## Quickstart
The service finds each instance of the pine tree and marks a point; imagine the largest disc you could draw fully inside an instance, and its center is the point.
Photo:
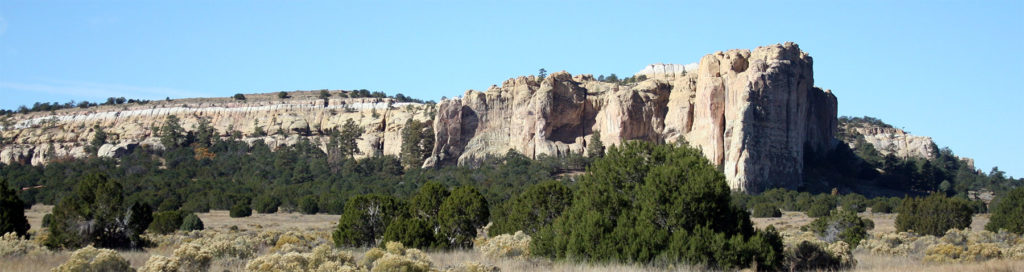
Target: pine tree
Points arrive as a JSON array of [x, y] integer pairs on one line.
[[12, 212]]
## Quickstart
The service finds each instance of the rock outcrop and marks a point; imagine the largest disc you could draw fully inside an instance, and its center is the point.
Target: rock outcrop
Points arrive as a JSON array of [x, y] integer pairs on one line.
[[752, 112], [37, 138], [890, 140]]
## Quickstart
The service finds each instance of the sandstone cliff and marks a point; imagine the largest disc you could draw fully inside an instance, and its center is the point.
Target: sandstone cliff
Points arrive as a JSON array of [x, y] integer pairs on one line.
[[752, 112], [889, 140], [36, 138]]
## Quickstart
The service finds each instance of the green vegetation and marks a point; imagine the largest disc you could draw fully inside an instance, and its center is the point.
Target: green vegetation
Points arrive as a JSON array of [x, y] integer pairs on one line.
[[842, 225], [166, 222], [417, 143], [536, 207], [1008, 213], [12, 212], [239, 96], [191, 222], [240, 210], [365, 219], [933, 215], [644, 201], [413, 232], [765, 210], [460, 215], [99, 202], [283, 95]]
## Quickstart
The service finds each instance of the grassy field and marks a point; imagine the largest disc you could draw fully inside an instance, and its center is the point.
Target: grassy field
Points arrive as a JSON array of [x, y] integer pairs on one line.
[[322, 224]]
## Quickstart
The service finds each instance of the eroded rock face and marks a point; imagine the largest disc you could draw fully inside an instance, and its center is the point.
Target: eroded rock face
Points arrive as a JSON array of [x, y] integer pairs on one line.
[[37, 138], [751, 112], [754, 113], [899, 143]]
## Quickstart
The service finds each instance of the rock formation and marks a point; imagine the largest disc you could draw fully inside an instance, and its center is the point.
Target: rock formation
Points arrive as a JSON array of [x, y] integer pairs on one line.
[[37, 138], [754, 113], [751, 112], [889, 140]]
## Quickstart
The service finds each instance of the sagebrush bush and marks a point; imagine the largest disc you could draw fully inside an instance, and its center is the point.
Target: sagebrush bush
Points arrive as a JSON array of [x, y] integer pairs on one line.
[[471, 266], [94, 259], [157, 263], [506, 246], [765, 210], [396, 257], [11, 244]]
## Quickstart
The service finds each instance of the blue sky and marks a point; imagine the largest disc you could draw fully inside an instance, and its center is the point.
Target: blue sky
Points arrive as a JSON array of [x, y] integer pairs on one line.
[[946, 69]]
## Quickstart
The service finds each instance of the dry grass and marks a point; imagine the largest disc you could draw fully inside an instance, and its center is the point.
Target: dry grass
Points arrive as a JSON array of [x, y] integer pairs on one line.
[[279, 221], [219, 220], [868, 262]]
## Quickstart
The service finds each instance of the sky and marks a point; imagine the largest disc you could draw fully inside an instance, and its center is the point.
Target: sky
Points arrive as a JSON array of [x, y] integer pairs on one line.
[[950, 70]]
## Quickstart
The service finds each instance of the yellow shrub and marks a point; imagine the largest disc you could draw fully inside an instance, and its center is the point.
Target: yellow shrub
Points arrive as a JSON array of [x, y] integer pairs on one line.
[[12, 245], [471, 266], [511, 246], [943, 253], [323, 258], [157, 263], [93, 259]]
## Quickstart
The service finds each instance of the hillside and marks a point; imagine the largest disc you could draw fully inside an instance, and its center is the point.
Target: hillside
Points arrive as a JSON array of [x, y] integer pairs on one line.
[[753, 112]]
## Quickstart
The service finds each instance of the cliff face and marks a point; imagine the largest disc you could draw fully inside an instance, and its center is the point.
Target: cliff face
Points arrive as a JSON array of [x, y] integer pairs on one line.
[[889, 140], [37, 138], [752, 112]]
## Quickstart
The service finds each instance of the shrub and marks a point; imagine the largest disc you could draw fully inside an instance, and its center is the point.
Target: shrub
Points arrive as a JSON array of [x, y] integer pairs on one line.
[[157, 263], [807, 256], [881, 207], [240, 210], [461, 215], [309, 205], [396, 258], [323, 258], [414, 232], [166, 222], [1007, 213], [643, 201], [12, 212], [427, 201], [765, 210], [933, 215], [365, 219], [193, 257], [842, 225], [536, 207], [854, 202], [93, 259], [11, 244], [820, 206], [283, 95], [239, 96], [192, 222], [506, 246], [96, 201], [266, 204]]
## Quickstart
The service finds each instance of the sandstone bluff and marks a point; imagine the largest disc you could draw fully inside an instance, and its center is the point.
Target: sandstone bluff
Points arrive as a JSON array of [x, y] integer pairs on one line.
[[753, 112]]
